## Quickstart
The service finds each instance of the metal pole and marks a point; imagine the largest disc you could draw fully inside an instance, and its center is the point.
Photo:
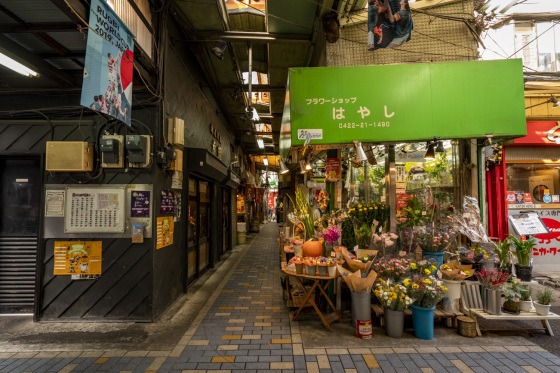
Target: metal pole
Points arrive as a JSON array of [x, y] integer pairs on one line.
[[366, 181], [250, 57], [391, 187]]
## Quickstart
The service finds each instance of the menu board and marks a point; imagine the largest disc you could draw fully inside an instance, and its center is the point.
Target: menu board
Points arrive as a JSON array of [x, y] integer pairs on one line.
[[94, 210], [528, 224], [167, 201]]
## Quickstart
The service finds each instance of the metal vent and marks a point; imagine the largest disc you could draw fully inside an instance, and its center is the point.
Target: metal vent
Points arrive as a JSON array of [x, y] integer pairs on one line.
[[17, 273], [532, 154]]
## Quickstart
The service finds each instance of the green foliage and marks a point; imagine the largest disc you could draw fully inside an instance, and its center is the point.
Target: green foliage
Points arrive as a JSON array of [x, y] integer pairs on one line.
[[502, 249], [303, 212], [525, 292], [438, 166], [366, 213], [523, 250], [511, 290], [545, 297], [413, 211], [348, 239]]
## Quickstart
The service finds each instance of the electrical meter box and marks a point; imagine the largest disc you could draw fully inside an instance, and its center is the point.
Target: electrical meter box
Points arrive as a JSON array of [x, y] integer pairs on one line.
[[138, 150], [177, 162], [112, 151], [176, 131], [69, 156]]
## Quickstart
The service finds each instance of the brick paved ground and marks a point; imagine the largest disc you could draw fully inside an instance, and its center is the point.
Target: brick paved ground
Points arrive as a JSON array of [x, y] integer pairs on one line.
[[246, 327]]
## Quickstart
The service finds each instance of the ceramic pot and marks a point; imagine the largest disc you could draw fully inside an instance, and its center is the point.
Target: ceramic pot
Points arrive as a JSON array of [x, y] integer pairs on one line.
[[394, 323], [423, 321], [332, 271], [542, 309], [453, 289], [525, 305]]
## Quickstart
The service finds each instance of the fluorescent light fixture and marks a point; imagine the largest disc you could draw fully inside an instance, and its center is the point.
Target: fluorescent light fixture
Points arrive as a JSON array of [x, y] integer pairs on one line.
[[260, 143], [16, 66], [265, 161]]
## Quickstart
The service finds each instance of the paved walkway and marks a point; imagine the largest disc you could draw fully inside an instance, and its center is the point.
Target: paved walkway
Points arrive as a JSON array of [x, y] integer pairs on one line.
[[246, 327]]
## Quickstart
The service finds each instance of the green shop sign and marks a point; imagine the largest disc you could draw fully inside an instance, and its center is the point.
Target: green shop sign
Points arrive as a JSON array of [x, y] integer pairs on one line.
[[396, 103]]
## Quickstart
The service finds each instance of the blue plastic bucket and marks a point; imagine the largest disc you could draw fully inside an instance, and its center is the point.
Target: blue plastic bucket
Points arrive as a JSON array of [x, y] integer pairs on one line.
[[423, 321], [438, 257]]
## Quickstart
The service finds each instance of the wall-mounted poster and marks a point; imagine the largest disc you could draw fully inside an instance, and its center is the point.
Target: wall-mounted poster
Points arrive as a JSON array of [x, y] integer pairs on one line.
[[177, 204], [140, 203], [259, 195], [77, 257], [54, 202], [333, 169], [107, 84], [389, 23], [164, 231], [167, 201], [95, 210]]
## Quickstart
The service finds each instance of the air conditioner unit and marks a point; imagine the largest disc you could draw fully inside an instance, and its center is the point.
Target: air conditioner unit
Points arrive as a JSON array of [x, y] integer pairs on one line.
[[69, 156]]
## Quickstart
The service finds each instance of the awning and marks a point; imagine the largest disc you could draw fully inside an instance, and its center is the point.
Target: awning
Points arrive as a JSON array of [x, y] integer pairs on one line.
[[206, 164], [232, 180], [403, 103]]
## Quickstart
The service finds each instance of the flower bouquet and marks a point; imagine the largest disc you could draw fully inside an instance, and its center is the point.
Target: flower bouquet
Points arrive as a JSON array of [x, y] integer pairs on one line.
[[436, 240], [394, 269], [384, 241], [492, 282], [392, 297], [331, 266], [425, 291], [363, 234], [322, 265], [331, 235], [423, 268], [361, 261], [474, 254], [323, 200]]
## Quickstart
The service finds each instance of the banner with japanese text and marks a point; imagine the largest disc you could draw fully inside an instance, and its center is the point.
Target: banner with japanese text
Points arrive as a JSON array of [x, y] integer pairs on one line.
[[403, 103], [107, 84]]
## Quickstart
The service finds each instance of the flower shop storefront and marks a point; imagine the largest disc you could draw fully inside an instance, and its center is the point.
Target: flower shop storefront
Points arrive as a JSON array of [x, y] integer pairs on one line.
[[406, 244]]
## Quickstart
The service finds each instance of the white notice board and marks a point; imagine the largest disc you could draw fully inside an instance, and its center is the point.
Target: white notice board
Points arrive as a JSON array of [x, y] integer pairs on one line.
[[95, 210], [528, 224]]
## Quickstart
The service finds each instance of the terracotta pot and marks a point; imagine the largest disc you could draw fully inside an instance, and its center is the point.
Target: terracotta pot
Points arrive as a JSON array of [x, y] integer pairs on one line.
[[312, 249]]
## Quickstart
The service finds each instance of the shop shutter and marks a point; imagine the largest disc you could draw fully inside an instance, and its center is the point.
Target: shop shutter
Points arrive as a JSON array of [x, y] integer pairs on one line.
[[17, 274]]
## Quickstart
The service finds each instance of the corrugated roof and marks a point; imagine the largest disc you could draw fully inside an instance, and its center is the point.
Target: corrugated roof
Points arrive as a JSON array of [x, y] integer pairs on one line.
[[64, 64], [32, 11], [73, 41], [30, 42]]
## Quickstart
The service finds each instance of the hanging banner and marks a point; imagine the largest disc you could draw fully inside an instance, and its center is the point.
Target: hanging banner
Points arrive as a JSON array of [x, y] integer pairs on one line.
[[260, 195], [77, 257], [249, 191], [389, 23], [107, 84], [333, 169]]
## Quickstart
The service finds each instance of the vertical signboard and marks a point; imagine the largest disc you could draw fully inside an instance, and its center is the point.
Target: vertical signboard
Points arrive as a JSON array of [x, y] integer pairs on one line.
[[107, 84], [333, 169]]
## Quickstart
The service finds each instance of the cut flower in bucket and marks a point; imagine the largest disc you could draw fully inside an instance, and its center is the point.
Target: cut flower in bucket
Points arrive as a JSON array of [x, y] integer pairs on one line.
[[392, 297], [393, 268], [454, 271], [425, 291]]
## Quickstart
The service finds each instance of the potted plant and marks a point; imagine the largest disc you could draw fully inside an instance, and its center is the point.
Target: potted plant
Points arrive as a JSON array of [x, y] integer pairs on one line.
[[492, 282], [452, 274], [502, 248], [474, 255], [544, 301], [523, 251], [525, 301], [434, 242], [394, 269], [511, 293], [426, 292], [394, 300], [331, 235]]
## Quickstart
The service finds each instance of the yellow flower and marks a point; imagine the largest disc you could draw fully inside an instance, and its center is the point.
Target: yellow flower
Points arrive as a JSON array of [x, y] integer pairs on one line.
[[433, 268], [360, 206], [443, 288], [427, 271], [361, 210], [467, 273], [415, 286], [413, 265], [406, 282], [426, 281]]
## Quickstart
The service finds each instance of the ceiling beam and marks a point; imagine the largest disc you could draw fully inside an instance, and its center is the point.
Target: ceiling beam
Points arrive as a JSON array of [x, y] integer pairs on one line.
[[245, 36], [141, 16], [70, 54], [14, 50], [37, 27], [257, 88], [77, 6]]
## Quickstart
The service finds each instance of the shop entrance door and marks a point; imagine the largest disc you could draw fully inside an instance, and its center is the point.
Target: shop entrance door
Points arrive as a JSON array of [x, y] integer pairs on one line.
[[198, 229], [20, 201], [226, 220]]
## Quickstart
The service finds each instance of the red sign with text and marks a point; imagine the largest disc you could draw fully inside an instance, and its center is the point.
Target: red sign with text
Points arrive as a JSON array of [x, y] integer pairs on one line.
[[540, 133], [260, 195], [546, 254], [333, 169]]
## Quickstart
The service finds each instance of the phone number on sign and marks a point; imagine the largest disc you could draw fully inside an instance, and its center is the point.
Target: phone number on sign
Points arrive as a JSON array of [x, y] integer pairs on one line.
[[363, 125]]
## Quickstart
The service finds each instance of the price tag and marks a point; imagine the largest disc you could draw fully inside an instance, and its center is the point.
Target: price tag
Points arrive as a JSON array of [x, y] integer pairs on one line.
[[333, 254], [424, 213], [356, 247]]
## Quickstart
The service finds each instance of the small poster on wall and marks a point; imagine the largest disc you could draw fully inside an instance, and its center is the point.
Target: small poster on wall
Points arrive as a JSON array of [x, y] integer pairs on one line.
[[333, 169], [54, 202], [77, 257], [140, 203], [389, 23], [164, 231], [167, 201], [177, 205]]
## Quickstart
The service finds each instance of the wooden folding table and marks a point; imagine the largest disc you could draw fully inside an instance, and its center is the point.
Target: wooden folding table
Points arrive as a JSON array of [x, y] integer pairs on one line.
[[326, 319]]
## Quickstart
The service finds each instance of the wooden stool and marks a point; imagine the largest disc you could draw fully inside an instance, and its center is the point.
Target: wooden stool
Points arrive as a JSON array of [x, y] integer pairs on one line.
[[466, 326]]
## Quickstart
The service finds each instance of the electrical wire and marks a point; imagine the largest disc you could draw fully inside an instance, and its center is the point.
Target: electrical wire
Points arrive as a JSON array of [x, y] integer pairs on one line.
[[538, 36]]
